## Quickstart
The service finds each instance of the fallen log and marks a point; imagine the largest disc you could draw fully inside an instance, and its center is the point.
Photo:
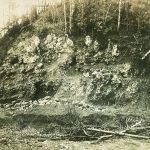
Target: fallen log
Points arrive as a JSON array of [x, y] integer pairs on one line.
[[100, 130], [102, 138], [140, 128], [146, 55], [134, 136], [119, 133], [137, 129], [136, 124]]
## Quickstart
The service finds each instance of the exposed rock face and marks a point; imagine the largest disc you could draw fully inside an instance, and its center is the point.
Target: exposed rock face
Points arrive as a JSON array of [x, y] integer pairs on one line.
[[24, 75], [104, 86], [36, 69]]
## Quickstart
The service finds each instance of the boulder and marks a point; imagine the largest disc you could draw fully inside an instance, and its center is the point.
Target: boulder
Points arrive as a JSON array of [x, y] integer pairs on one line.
[[115, 51], [88, 41], [124, 69]]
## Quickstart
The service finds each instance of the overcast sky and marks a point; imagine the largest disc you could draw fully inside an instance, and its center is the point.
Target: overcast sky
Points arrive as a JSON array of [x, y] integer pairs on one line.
[[17, 8]]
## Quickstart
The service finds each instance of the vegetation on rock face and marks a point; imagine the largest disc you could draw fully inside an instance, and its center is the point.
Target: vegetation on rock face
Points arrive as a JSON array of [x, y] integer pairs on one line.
[[119, 36]]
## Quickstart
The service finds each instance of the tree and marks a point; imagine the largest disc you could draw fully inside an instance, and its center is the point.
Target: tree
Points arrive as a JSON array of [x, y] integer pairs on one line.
[[65, 15], [71, 2], [119, 15], [33, 14]]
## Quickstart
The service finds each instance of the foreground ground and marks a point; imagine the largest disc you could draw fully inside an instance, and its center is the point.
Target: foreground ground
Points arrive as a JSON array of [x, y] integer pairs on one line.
[[13, 138], [11, 141], [45, 144]]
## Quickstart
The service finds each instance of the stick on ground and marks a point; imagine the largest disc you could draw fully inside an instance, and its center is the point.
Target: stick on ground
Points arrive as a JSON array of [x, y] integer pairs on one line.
[[119, 133]]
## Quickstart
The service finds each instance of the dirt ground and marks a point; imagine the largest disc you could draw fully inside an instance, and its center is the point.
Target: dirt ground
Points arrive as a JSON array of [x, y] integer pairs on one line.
[[12, 141], [116, 144]]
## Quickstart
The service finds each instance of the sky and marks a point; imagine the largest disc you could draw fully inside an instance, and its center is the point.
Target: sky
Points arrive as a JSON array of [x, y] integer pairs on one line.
[[10, 8]]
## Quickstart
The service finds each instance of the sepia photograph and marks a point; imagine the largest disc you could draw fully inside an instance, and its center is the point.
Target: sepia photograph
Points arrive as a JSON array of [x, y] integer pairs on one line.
[[74, 74]]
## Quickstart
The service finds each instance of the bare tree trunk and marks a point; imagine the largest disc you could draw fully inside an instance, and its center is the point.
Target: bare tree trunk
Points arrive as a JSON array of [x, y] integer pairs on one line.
[[54, 13], [4, 18], [107, 13], [119, 15], [70, 18], [45, 3], [42, 5], [72, 6], [138, 23], [127, 14], [58, 15], [65, 15], [82, 5]]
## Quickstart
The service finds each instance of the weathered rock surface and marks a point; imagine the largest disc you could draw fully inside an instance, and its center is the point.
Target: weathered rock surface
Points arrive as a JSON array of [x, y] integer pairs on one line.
[[37, 71]]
